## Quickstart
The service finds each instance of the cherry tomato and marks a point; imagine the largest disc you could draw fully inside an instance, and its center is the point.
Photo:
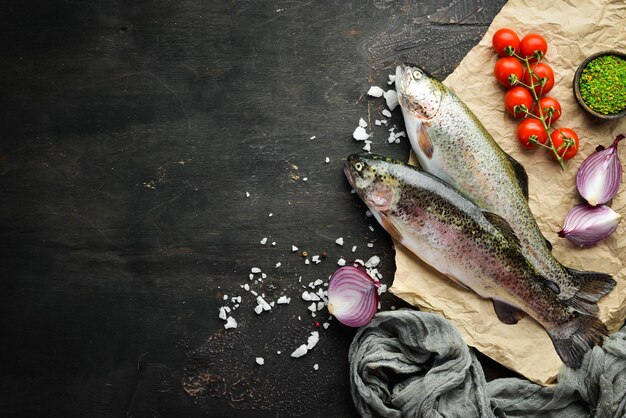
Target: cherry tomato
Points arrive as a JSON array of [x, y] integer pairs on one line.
[[565, 142], [542, 71], [504, 38], [531, 128], [547, 105], [518, 96], [531, 43], [507, 67]]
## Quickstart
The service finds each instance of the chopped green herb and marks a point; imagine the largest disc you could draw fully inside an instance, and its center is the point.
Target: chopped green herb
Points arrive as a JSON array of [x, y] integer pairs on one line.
[[603, 84]]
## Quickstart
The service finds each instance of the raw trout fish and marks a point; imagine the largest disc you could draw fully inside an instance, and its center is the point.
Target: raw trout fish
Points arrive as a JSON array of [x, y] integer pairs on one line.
[[475, 248], [452, 144]]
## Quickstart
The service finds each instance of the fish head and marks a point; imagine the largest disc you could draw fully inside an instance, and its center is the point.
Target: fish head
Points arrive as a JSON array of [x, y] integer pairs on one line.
[[418, 92], [372, 178]]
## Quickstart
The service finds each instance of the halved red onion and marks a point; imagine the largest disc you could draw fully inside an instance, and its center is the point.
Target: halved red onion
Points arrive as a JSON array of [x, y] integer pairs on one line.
[[600, 175], [587, 225], [352, 296]]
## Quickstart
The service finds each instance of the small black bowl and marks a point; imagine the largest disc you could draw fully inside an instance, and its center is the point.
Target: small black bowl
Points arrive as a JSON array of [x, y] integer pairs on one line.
[[579, 98]]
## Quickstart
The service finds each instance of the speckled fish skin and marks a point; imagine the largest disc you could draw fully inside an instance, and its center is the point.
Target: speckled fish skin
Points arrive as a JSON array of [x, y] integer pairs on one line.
[[452, 144], [453, 235]]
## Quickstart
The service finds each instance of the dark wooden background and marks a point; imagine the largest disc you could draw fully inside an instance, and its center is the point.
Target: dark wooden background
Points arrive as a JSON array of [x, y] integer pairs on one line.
[[130, 133]]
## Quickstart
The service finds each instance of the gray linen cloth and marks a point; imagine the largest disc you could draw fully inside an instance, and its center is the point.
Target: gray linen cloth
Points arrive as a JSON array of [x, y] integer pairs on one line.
[[414, 364]]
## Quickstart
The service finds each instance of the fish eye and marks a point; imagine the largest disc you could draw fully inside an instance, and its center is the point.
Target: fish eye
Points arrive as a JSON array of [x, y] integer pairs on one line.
[[417, 74], [358, 166]]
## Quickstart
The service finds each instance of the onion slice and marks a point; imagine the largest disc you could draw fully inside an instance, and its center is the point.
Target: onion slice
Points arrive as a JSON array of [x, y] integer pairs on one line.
[[587, 225], [352, 296], [599, 176]]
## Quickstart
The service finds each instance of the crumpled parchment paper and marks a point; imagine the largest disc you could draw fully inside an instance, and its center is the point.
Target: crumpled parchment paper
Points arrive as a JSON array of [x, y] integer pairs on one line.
[[574, 30]]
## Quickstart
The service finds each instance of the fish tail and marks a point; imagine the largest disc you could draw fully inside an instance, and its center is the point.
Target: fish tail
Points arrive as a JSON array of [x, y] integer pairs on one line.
[[577, 336], [593, 285]]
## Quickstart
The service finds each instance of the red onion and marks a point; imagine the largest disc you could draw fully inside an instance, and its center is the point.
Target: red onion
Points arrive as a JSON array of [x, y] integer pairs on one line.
[[352, 296], [600, 175], [587, 225]]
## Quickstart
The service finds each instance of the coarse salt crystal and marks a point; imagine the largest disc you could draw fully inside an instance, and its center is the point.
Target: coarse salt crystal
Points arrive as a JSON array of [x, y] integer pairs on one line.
[[386, 113], [375, 91], [263, 275], [316, 259], [260, 361], [313, 137], [254, 293], [339, 241], [255, 270], [263, 241], [312, 307], [341, 262], [246, 287], [325, 325], [353, 248], [278, 264], [401, 134], [391, 97], [306, 261], [283, 300], [368, 146], [318, 282], [312, 340], [300, 351], [225, 297], [320, 305], [258, 309], [230, 323], [382, 289], [316, 366], [392, 79], [370, 245], [305, 179], [360, 134], [247, 194], [222, 314], [327, 160], [373, 261], [278, 352], [251, 276], [377, 122], [263, 303], [362, 123], [270, 214], [371, 228], [294, 248], [368, 213]]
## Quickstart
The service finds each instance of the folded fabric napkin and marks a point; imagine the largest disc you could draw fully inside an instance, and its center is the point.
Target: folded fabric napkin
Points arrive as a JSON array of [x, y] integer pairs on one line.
[[409, 363]]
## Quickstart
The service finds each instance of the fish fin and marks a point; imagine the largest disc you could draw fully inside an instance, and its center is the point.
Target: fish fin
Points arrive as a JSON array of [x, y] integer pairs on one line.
[[458, 283], [593, 286], [424, 142], [574, 338], [506, 313], [520, 174], [390, 227], [552, 286], [503, 226]]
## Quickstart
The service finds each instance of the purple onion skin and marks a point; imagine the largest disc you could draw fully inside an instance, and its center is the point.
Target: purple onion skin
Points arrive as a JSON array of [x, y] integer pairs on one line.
[[354, 284], [599, 177], [587, 225]]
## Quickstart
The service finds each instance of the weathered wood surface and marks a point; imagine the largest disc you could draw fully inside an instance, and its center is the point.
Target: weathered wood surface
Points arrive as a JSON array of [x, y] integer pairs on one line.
[[130, 133]]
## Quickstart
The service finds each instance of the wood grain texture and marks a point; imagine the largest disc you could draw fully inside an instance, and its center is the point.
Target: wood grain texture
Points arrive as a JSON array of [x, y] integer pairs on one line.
[[130, 134]]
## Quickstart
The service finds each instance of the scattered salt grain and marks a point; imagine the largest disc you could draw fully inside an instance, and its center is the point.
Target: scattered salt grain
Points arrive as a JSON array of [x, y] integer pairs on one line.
[[392, 79], [254, 293], [401, 134], [371, 228], [391, 97], [225, 297], [316, 366], [370, 245], [360, 134], [375, 91], [305, 179], [377, 122], [263, 275], [373, 261], [246, 287], [312, 307], [300, 351], [339, 241], [382, 289], [325, 325], [260, 361], [255, 270], [270, 214], [263, 303], [353, 248], [294, 248], [263, 241], [362, 123], [283, 300], [312, 340], [278, 264], [313, 137], [258, 309], [230, 323], [318, 282], [368, 146], [327, 160], [386, 113], [222, 314], [368, 213], [316, 259], [251, 276], [278, 352], [341, 262], [306, 261], [320, 305], [247, 194]]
